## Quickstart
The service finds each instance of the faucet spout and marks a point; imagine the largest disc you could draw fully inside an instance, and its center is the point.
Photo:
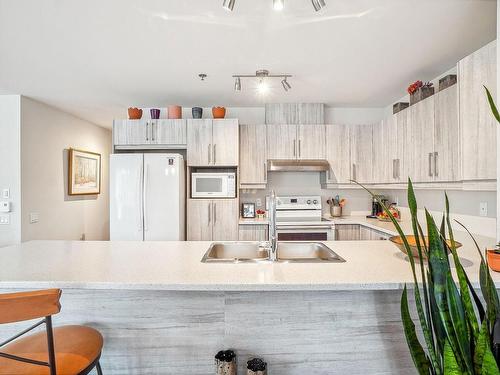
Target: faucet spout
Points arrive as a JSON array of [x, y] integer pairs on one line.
[[273, 238]]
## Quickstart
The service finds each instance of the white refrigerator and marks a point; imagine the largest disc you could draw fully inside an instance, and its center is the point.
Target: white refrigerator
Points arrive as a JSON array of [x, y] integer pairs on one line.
[[147, 197]]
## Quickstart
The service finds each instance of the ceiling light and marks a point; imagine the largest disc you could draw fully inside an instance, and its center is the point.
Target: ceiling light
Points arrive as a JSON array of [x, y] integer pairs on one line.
[[237, 84], [278, 4], [228, 4], [318, 4], [262, 87], [285, 84]]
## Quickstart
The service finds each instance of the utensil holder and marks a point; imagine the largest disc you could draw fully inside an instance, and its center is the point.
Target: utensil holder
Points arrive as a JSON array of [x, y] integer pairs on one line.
[[336, 211], [225, 368]]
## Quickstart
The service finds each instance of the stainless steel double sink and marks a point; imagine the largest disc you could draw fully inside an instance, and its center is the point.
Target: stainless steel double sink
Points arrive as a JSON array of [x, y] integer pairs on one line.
[[288, 252]]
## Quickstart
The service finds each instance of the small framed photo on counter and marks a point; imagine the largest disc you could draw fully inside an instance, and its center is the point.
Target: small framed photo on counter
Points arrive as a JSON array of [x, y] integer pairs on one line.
[[248, 210]]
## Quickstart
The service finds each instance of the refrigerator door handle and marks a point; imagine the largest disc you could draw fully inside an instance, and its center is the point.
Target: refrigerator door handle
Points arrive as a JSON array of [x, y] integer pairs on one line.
[[139, 190], [144, 195]]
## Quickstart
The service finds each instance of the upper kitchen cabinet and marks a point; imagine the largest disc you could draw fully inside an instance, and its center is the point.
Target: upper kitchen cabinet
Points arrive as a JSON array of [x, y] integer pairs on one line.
[[382, 147], [153, 134], [446, 136], [477, 124], [421, 141], [253, 156], [212, 142], [338, 154], [281, 141], [360, 138], [311, 142], [399, 157]]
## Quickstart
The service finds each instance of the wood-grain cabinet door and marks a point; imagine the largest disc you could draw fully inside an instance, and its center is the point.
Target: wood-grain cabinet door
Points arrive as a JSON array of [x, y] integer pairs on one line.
[[421, 148], [477, 125], [311, 142], [361, 137], [253, 155], [338, 154], [170, 132], [282, 141], [138, 132], [225, 214], [402, 159], [120, 128], [382, 152], [446, 136], [347, 232], [199, 220], [225, 134], [199, 142], [251, 232]]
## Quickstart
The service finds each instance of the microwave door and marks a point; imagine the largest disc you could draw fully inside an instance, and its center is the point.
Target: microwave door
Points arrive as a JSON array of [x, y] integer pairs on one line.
[[209, 186]]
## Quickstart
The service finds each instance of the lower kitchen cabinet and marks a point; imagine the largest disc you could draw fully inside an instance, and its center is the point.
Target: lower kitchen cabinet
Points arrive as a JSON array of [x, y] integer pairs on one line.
[[357, 232], [212, 219], [252, 232]]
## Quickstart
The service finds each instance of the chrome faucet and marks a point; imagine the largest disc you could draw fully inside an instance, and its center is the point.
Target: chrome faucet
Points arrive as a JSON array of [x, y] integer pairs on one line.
[[273, 238]]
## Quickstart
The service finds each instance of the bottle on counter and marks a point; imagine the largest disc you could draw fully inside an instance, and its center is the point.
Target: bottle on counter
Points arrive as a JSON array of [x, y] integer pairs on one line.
[[225, 363], [256, 366]]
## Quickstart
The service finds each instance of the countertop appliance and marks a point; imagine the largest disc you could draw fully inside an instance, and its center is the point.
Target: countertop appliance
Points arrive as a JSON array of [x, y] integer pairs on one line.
[[376, 206], [147, 195], [213, 185], [300, 218]]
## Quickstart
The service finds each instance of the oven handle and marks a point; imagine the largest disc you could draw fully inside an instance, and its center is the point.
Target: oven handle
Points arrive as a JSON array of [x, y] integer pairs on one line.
[[301, 227]]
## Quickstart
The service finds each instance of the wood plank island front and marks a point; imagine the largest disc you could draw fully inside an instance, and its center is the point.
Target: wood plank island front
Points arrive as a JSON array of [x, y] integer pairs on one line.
[[162, 311]]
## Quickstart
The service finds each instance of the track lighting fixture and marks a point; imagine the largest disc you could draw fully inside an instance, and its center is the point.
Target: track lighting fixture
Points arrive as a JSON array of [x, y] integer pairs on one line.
[[228, 4], [318, 4], [237, 84], [285, 84], [263, 75], [278, 4]]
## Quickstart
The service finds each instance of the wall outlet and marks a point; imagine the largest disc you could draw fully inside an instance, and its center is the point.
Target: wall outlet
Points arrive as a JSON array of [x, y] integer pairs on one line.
[[4, 219], [34, 217], [483, 209], [258, 202], [6, 193]]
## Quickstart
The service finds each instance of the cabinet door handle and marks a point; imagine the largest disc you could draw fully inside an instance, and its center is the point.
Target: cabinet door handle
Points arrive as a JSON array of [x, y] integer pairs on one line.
[[209, 213], [300, 151], [215, 153], [435, 164], [209, 153], [353, 171], [394, 169], [430, 164], [215, 213], [152, 131], [294, 147], [147, 131], [398, 164], [329, 175], [265, 171]]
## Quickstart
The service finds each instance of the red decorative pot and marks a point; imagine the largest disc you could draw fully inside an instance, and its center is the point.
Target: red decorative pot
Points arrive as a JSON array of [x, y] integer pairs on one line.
[[174, 112], [134, 113], [219, 112]]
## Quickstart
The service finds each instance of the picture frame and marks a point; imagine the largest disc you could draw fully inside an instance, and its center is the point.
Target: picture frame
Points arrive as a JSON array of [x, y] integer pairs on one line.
[[84, 172], [248, 210]]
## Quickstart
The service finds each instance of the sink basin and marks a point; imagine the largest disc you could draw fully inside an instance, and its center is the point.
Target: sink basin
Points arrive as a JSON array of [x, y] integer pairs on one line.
[[289, 252], [307, 252], [234, 252]]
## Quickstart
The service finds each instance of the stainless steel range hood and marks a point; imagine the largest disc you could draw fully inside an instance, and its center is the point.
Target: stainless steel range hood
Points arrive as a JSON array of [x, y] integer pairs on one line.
[[284, 165]]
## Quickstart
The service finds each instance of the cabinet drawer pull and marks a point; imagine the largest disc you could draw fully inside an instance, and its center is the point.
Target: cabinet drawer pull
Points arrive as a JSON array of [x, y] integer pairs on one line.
[[209, 153], [430, 164], [435, 164]]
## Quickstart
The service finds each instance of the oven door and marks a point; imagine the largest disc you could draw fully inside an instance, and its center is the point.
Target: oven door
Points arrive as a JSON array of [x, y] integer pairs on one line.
[[305, 232]]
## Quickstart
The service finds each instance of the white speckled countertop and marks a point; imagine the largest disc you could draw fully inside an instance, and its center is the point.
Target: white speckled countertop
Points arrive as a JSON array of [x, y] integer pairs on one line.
[[370, 265]]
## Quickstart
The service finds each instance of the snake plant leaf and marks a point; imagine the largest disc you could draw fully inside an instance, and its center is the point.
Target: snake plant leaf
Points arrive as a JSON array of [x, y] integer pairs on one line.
[[437, 324], [493, 107], [416, 350], [462, 277], [484, 361], [446, 297], [451, 366]]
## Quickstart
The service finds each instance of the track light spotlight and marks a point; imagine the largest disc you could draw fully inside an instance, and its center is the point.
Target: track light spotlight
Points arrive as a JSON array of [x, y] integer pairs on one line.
[[318, 4], [278, 4], [237, 84], [285, 84], [228, 4]]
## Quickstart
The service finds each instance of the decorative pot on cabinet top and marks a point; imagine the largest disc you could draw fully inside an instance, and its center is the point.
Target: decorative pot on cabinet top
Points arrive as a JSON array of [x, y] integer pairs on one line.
[[134, 113], [174, 112], [219, 112]]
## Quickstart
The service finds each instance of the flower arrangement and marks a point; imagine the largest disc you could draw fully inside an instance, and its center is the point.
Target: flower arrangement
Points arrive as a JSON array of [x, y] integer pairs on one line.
[[412, 89]]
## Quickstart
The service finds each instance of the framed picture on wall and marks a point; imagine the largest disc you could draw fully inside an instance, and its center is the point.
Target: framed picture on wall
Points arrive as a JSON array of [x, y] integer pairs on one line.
[[84, 172], [248, 210]]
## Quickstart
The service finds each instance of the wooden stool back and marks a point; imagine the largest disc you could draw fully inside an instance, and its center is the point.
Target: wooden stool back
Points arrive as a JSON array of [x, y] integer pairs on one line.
[[16, 307]]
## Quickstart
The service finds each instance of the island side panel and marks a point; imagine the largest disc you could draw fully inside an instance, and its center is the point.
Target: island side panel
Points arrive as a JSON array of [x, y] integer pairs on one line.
[[308, 332]]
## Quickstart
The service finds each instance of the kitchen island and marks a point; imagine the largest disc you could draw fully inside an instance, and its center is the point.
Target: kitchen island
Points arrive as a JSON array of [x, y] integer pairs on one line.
[[162, 311]]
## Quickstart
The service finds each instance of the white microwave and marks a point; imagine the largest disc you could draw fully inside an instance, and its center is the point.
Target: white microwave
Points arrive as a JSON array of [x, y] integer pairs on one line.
[[213, 185]]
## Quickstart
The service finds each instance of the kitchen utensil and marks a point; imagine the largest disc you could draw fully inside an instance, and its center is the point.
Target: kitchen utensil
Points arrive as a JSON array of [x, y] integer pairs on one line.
[[219, 112], [134, 113], [197, 112], [155, 113], [174, 112], [398, 241]]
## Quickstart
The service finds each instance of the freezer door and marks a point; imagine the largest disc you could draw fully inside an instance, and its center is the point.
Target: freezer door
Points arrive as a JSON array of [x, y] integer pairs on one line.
[[164, 197], [125, 196]]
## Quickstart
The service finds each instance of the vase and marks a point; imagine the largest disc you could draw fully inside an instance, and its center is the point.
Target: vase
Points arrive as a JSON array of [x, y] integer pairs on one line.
[[155, 113], [174, 112], [493, 260], [197, 112], [219, 112], [134, 113]]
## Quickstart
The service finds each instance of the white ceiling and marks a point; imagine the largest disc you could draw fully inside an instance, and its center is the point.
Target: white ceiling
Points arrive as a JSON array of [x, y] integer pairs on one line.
[[95, 58]]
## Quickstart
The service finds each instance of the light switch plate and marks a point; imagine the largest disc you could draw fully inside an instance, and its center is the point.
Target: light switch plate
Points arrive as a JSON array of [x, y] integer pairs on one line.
[[483, 209], [6, 193], [34, 217], [258, 202], [5, 219]]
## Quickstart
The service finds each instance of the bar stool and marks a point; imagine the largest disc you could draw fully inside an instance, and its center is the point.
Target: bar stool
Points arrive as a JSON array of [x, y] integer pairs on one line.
[[66, 350]]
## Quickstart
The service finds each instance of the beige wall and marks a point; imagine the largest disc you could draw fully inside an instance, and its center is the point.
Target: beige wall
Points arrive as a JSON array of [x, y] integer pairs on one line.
[[46, 134]]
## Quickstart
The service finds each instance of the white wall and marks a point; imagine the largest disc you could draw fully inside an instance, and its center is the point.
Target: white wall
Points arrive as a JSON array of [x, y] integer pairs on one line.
[[498, 128], [10, 165], [46, 135]]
